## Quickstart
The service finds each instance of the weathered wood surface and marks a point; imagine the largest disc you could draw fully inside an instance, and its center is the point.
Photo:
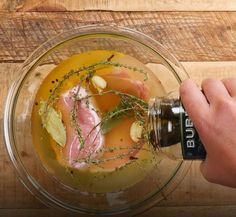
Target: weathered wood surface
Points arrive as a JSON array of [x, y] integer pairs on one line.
[[180, 211], [190, 36], [117, 5], [194, 196]]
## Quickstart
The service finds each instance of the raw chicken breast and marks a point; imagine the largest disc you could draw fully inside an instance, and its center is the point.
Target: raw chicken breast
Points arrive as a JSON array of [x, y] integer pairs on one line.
[[120, 80], [87, 118]]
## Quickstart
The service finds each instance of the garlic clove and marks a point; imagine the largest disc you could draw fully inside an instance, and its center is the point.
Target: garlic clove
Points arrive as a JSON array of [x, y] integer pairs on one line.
[[98, 82], [136, 130]]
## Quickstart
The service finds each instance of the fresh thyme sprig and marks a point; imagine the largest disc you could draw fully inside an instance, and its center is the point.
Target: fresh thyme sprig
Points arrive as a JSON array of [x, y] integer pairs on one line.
[[131, 150], [91, 68], [74, 110], [129, 105], [75, 123]]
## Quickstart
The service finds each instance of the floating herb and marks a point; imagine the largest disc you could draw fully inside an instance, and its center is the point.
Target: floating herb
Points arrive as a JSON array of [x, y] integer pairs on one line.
[[129, 105], [52, 122]]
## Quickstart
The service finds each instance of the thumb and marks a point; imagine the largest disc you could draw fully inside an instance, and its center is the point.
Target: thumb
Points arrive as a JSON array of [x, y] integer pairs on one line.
[[206, 170]]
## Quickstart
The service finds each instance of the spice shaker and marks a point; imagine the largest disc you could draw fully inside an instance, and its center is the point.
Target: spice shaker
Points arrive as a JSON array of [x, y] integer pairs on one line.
[[171, 131]]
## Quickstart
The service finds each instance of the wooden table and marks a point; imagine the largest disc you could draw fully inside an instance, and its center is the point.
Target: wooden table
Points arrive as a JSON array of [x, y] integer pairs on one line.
[[205, 41]]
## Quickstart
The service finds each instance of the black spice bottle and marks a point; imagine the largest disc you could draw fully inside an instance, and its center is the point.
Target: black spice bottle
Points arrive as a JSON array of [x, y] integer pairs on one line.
[[170, 126]]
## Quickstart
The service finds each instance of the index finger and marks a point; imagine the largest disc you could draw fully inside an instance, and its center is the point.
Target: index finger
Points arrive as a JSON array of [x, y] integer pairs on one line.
[[194, 102]]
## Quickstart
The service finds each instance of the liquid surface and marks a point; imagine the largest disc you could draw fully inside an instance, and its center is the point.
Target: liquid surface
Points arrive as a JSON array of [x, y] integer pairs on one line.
[[89, 146]]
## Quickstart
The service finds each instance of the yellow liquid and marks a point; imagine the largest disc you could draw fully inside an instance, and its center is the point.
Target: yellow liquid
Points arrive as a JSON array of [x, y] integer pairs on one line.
[[112, 175]]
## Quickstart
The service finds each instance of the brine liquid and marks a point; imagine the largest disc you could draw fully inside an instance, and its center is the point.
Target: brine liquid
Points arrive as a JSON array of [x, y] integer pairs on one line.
[[120, 164]]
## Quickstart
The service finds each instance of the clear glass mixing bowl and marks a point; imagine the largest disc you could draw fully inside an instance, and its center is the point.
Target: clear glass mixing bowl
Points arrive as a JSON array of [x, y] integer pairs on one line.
[[17, 121]]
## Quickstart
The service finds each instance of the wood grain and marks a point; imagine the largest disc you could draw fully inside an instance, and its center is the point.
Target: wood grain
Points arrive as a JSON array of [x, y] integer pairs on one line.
[[180, 211], [190, 36], [194, 196], [117, 5]]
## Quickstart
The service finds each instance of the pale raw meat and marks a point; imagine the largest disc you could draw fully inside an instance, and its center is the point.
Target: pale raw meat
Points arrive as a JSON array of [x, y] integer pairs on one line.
[[87, 118], [120, 80]]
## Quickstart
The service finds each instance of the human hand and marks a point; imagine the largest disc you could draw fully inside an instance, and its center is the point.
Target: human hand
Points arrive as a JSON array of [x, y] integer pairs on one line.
[[214, 116]]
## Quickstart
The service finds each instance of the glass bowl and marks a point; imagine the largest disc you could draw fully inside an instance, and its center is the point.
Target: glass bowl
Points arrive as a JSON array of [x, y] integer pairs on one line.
[[137, 198]]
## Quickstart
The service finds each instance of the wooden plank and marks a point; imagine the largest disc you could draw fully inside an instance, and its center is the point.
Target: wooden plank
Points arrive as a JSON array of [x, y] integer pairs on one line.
[[36, 213], [193, 211], [195, 36], [182, 211], [193, 191], [117, 5]]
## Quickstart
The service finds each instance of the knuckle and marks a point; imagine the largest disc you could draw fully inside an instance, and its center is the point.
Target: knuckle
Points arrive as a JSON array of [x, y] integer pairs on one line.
[[225, 106], [208, 81]]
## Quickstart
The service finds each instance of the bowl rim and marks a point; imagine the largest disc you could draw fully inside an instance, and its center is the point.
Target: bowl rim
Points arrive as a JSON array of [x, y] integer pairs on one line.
[[32, 61]]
